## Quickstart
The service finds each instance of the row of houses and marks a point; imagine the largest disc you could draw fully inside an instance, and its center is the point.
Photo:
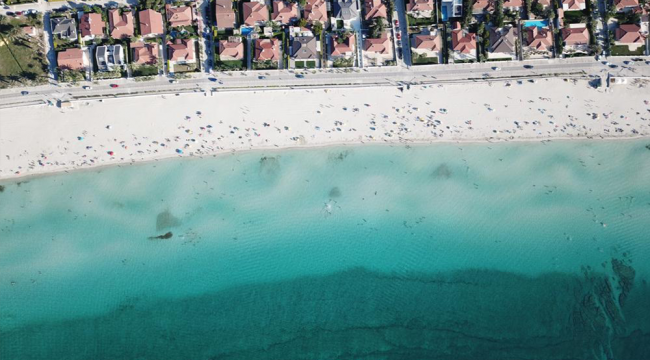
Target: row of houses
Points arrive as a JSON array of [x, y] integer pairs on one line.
[[106, 40], [491, 37], [314, 34]]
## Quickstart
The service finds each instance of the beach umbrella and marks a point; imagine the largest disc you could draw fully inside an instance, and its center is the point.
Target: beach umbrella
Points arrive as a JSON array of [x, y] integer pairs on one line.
[[179, 151]]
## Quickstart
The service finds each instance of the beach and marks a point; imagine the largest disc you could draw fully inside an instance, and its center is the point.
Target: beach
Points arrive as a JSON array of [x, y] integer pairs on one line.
[[44, 139]]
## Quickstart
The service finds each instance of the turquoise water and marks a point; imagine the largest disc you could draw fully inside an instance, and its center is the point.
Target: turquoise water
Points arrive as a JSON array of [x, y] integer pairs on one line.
[[473, 251], [537, 23]]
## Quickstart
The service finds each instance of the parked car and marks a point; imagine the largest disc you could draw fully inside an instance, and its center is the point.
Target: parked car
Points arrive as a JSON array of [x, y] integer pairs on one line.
[[300, 76], [212, 79], [396, 23], [613, 66], [19, 13], [24, 92], [261, 77], [398, 36], [10, 13], [114, 85], [173, 81], [528, 66], [87, 88]]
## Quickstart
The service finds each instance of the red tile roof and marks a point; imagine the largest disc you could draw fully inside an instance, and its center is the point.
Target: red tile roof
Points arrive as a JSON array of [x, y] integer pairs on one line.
[[181, 49], [574, 4], [339, 49], [463, 41], [382, 45], [427, 42], [315, 10], [629, 34], [575, 36], [231, 49], [151, 22], [512, 4], [622, 4], [91, 24], [374, 9], [224, 14], [267, 49], [419, 5], [284, 13], [145, 53], [254, 13], [121, 25], [179, 16], [71, 59], [540, 39]]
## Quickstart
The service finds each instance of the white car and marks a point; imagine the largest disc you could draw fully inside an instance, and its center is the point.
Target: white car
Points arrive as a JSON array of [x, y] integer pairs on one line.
[[87, 87]]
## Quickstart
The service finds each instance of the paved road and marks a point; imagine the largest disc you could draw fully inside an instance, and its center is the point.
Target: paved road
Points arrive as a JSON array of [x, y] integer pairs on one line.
[[330, 78]]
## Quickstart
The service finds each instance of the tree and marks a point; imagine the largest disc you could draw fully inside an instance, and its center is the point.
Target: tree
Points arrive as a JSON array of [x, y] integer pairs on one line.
[[86, 8], [498, 11], [302, 22], [317, 28], [467, 18], [377, 27]]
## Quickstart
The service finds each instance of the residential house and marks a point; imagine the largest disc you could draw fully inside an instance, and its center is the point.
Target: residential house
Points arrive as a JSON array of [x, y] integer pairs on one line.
[[573, 4], [151, 23], [374, 9], [110, 57], [502, 43], [626, 5], [255, 13], [304, 48], [72, 59], [315, 11], [267, 50], [463, 43], [513, 5], [483, 6], [377, 51], [575, 37], [346, 11], [225, 15], [91, 25], [181, 51], [427, 45], [145, 53], [179, 16], [629, 34], [342, 46], [63, 27], [451, 8], [420, 8], [120, 25], [539, 39], [284, 13], [231, 49]]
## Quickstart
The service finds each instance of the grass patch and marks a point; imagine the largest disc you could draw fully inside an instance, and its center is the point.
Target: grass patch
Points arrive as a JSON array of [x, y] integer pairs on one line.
[[22, 62], [412, 21], [145, 70], [624, 50], [575, 17], [299, 64], [229, 65], [424, 60], [182, 68]]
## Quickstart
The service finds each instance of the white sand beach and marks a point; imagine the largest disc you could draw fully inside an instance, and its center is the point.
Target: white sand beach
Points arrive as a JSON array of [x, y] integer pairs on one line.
[[37, 140]]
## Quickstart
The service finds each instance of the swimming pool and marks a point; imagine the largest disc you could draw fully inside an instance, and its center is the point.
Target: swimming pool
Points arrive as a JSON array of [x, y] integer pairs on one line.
[[537, 23]]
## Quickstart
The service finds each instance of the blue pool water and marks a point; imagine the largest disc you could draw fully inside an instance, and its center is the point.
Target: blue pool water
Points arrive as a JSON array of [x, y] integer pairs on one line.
[[537, 23], [472, 251]]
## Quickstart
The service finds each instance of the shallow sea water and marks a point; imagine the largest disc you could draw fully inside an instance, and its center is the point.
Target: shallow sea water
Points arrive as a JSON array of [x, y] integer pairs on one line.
[[450, 251]]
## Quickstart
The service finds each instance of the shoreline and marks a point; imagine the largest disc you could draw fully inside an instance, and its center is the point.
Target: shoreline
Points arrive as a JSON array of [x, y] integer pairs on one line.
[[42, 141], [309, 147]]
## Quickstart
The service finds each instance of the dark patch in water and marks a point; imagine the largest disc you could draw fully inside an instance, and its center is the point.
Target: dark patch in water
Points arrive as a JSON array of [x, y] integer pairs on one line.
[[442, 172], [361, 314], [338, 156], [625, 274], [2, 188], [647, 146], [335, 192], [269, 167], [165, 236], [166, 220]]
